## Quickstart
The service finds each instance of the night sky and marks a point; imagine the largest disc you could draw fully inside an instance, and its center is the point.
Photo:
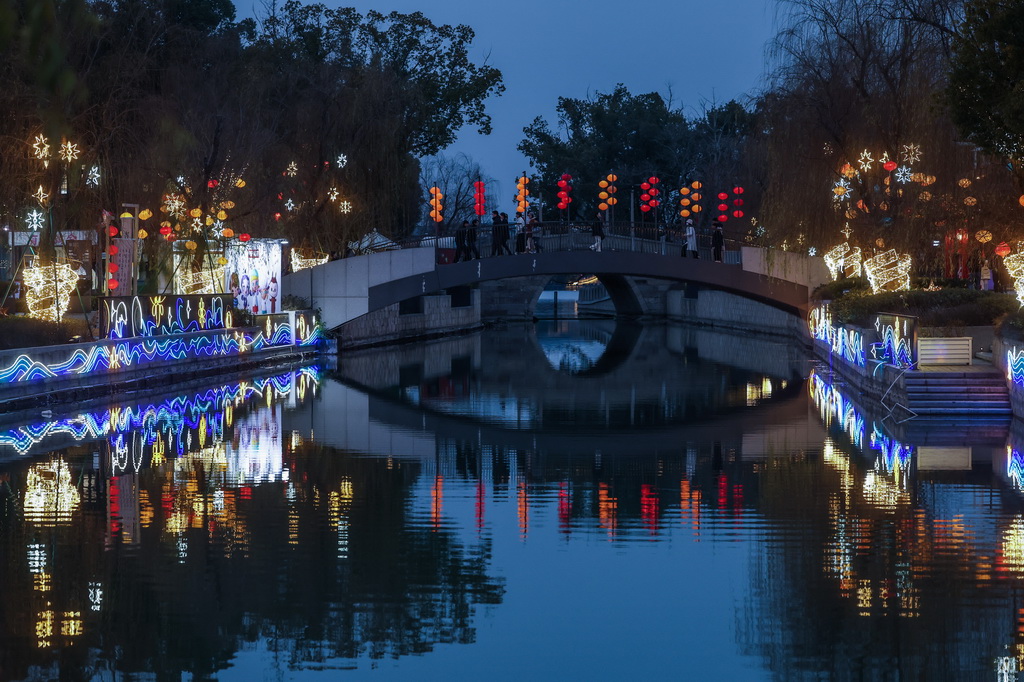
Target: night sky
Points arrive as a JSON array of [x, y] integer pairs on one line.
[[701, 51]]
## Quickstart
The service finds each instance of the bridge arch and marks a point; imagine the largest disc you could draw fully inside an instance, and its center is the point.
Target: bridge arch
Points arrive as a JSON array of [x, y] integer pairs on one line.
[[349, 288]]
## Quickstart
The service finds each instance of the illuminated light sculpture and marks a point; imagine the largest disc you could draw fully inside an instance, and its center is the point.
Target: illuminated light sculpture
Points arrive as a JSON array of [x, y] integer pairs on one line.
[[35, 220], [345, 207], [903, 174], [51, 497], [911, 153], [49, 289], [174, 204], [41, 196], [522, 203], [205, 281], [865, 161], [307, 258], [290, 205], [436, 207], [292, 170], [332, 194], [898, 344], [841, 190], [843, 261], [92, 178], [888, 271], [342, 160], [41, 149], [847, 343], [1015, 267], [69, 151]]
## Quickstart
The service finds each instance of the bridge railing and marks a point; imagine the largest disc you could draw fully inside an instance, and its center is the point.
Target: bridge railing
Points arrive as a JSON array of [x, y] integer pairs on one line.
[[562, 236]]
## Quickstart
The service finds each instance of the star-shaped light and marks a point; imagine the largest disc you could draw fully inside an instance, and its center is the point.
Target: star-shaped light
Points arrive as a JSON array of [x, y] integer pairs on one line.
[[345, 206], [69, 151], [175, 205], [180, 180], [290, 205], [911, 153], [841, 190], [333, 194], [812, 251], [293, 169], [342, 160], [41, 149], [41, 196], [885, 158], [197, 224], [92, 178], [847, 231], [903, 174], [35, 220], [865, 160]]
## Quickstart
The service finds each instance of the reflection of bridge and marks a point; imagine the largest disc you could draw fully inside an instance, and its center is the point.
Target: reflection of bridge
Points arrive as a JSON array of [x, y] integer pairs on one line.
[[349, 288]]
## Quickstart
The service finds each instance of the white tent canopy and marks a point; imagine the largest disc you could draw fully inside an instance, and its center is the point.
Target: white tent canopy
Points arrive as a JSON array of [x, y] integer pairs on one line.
[[371, 242]]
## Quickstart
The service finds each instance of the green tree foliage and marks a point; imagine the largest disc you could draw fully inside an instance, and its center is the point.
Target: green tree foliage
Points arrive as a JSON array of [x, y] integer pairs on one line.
[[986, 83]]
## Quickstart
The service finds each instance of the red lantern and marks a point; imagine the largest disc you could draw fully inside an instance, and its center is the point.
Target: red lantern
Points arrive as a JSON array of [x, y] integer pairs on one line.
[[212, 183], [722, 196], [112, 230], [1003, 250], [737, 202], [112, 283], [653, 192], [277, 216], [562, 184], [653, 180], [654, 203], [890, 166], [737, 190], [113, 249], [244, 237], [112, 268], [645, 186], [723, 207], [645, 208], [479, 198], [645, 197], [562, 205], [737, 214], [165, 230], [723, 218]]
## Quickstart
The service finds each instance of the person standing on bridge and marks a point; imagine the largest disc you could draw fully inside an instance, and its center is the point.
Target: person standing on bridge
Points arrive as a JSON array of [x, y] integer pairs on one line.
[[597, 232], [472, 252], [717, 242], [691, 239], [461, 235], [499, 234]]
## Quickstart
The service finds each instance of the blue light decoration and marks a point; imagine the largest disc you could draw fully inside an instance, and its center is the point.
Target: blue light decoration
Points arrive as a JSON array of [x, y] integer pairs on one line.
[[895, 456], [1015, 467], [173, 423], [132, 352], [1015, 366], [898, 345], [846, 342], [836, 409], [131, 316]]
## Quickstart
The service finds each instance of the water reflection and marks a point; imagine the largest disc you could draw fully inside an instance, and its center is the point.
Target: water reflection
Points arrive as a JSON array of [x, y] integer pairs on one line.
[[308, 521]]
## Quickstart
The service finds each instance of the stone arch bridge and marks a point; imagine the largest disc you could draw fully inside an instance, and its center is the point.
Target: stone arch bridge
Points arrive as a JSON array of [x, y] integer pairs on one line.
[[349, 288]]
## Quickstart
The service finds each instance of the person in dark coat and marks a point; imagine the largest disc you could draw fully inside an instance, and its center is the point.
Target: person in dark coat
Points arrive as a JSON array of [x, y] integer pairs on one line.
[[499, 234], [717, 242], [461, 239], [597, 232], [471, 249]]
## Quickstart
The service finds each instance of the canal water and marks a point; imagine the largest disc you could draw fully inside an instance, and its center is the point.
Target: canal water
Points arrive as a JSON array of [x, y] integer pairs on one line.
[[570, 499]]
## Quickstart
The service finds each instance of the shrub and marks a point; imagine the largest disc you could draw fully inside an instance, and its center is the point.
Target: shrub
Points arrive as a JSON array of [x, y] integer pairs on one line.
[[26, 332], [943, 308]]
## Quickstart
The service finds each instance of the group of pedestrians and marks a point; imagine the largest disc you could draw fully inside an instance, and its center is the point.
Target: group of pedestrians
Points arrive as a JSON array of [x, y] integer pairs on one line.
[[526, 228]]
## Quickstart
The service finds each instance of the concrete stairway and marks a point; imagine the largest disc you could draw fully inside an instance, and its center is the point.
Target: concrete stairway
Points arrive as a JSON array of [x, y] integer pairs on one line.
[[976, 393]]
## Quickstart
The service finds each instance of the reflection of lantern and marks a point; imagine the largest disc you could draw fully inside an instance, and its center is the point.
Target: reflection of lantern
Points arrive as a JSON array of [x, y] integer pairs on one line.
[[1003, 249]]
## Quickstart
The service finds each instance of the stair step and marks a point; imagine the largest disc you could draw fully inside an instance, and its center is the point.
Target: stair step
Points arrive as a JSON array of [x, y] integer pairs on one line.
[[985, 379], [941, 390]]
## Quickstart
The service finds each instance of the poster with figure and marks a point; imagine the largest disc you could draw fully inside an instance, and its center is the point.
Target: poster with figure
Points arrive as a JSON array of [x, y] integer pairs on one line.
[[253, 275]]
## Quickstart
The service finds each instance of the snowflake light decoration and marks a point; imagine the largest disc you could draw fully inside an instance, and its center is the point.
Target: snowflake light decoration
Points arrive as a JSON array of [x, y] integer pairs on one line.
[[342, 160], [812, 251], [903, 174], [865, 160], [847, 231], [841, 190], [180, 180], [69, 151], [40, 196], [197, 224], [92, 178], [35, 220], [290, 205], [292, 170], [911, 153], [333, 194], [41, 149], [345, 206], [175, 205]]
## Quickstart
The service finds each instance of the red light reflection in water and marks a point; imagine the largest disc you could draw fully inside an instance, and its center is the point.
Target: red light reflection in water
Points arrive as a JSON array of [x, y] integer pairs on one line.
[[564, 507], [649, 507], [437, 501], [523, 509], [689, 507], [607, 509], [481, 499]]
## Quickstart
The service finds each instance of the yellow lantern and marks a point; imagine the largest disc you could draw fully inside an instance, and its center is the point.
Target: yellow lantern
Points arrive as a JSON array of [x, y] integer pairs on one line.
[[613, 178], [684, 190], [227, 205], [222, 215], [222, 261], [143, 234], [227, 233], [604, 183], [697, 208], [239, 183], [684, 213], [209, 220], [145, 214], [1021, 200], [612, 201], [191, 245], [602, 195], [696, 184], [684, 202], [196, 212], [602, 207]]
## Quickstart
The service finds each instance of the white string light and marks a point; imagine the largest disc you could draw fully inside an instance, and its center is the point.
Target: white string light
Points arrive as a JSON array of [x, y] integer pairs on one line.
[[48, 289], [69, 151], [888, 271]]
